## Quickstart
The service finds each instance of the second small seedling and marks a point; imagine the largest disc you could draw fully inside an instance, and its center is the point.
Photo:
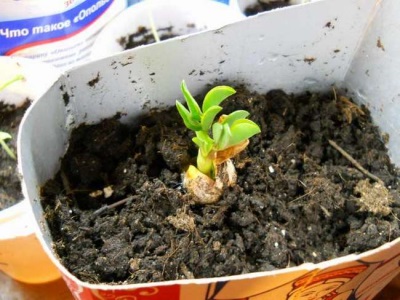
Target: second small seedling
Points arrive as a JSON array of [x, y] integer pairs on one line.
[[4, 135]]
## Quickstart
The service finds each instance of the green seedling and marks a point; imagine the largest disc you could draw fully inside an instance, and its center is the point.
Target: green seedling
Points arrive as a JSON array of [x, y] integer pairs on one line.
[[218, 140], [4, 135], [16, 78], [153, 25]]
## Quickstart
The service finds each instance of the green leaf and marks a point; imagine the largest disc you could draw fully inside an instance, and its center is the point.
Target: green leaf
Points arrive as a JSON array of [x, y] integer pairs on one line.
[[204, 137], [217, 132], [208, 117], [226, 136], [5, 136], [242, 130], [236, 115], [194, 108], [216, 95], [187, 118]]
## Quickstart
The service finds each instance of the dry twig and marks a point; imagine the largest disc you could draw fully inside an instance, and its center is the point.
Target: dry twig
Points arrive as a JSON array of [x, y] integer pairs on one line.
[[355, 163], [111, 206]]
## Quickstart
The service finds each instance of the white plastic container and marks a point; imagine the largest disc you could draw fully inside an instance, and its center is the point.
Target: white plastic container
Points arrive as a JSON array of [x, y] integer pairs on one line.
[[59, 32], [183, 16], [351, 44], [241, 5], [21, 255], [132, 2]]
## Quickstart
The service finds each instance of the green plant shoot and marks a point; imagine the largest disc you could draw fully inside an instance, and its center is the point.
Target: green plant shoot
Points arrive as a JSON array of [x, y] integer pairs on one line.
[[4, 135], [152, 24], [11, 81], [213, 137]]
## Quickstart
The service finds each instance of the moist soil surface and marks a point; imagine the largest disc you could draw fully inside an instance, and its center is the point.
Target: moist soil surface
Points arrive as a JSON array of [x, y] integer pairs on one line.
[[298, 198], [10, 184], [263, 5]]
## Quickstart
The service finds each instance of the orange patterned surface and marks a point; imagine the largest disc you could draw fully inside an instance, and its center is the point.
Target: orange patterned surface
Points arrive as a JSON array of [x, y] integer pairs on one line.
[[57, 290]]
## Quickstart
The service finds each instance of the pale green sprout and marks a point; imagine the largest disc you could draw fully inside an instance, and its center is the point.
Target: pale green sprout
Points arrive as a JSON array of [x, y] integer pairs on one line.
[[153, 25], [229, 132], [4, 135], [11, 81]]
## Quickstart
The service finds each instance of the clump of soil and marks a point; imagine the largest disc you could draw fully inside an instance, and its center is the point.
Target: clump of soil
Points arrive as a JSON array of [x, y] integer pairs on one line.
[[10, 184], [265, 5], [144, 36], [118, 213]]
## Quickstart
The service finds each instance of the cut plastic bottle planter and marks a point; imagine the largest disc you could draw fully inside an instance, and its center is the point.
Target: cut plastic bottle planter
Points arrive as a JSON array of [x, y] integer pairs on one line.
[[21, 255], [349, 44], [242, 5], [183, 17]]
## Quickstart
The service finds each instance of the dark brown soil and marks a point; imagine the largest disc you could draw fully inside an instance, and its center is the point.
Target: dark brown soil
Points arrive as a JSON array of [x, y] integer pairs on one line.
[[10, 184], [262, 6], [297, 199], [144, 36]]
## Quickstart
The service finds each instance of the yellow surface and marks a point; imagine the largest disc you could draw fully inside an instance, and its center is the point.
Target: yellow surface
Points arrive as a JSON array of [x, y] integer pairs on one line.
[[14, 290], [23, 259]]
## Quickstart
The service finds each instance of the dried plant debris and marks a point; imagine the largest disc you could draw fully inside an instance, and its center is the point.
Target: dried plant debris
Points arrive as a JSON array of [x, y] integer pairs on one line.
[[374, 197]]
